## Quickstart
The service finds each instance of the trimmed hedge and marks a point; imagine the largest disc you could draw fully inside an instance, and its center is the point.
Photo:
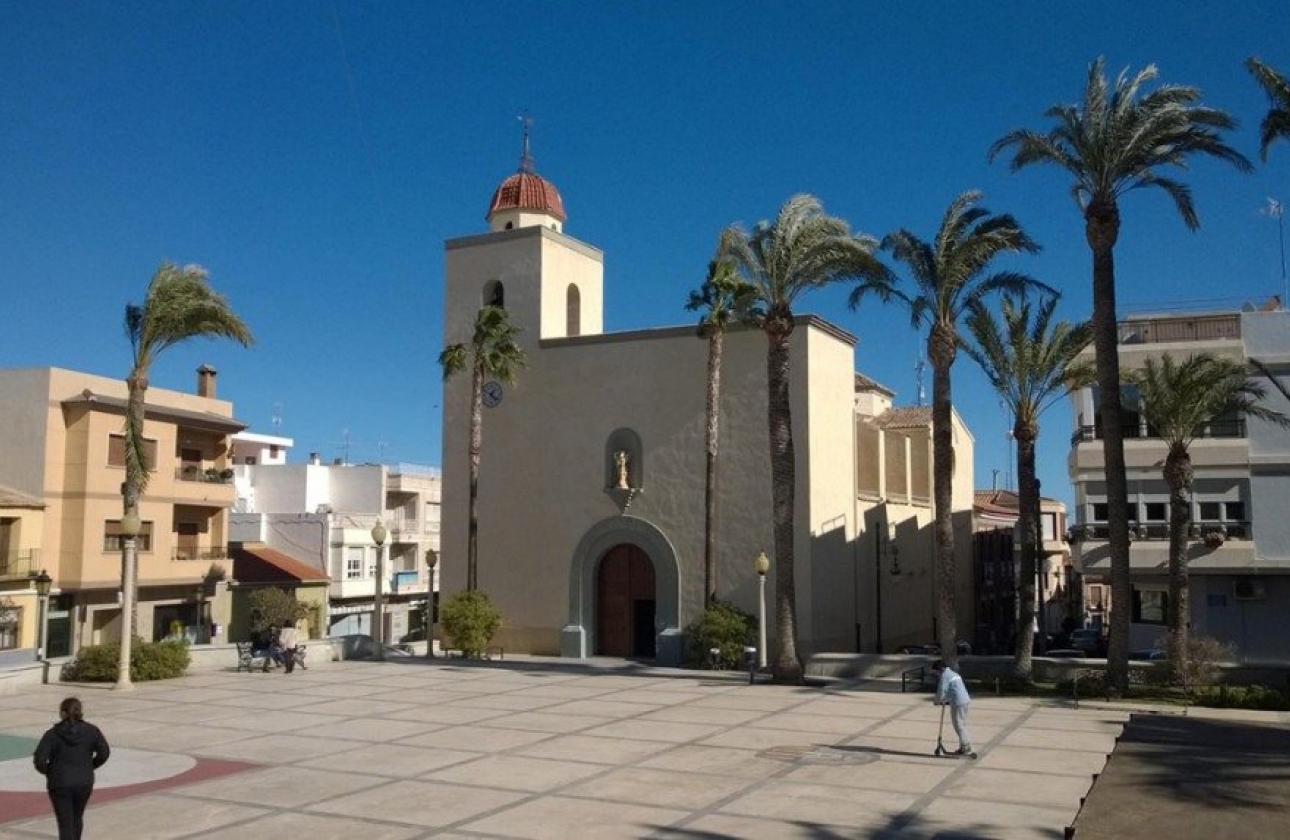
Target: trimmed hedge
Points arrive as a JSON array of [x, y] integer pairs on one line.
[[469, 622], [148, 661], [725, 627]]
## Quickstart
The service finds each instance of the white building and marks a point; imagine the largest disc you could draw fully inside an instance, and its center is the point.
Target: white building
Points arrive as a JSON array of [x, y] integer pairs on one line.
[[586, 557], [1239, 557], [323, 515]]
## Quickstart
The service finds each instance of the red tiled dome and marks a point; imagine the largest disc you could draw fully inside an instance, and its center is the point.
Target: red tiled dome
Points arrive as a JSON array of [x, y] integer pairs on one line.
[[526, 190]]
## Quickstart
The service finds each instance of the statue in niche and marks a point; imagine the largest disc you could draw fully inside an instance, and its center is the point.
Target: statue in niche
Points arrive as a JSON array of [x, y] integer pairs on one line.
[[622, 479]]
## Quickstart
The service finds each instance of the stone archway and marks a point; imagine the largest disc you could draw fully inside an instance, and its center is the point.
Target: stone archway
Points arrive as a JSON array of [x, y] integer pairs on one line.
[[578, 638]]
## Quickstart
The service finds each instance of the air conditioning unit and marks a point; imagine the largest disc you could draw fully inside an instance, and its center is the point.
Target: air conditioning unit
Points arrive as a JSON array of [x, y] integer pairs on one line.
[[1248, 590]]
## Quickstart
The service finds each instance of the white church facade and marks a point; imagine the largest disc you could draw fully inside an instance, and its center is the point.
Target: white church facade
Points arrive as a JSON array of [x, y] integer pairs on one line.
[[588, 552]]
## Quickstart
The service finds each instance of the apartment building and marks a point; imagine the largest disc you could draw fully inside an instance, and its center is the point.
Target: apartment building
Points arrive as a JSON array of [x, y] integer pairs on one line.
[[323, 515], [21, 527], [1239, 555], [63, 448]]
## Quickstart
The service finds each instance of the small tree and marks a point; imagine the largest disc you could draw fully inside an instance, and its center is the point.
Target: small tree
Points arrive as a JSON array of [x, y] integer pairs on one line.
[[276, 607], [470, 621]]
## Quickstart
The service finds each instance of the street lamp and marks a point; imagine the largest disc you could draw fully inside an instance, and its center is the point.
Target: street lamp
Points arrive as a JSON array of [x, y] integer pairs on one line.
[[432, 560], [131, 525], [43, 583], [378, 620], [199, 595], [762, 564]]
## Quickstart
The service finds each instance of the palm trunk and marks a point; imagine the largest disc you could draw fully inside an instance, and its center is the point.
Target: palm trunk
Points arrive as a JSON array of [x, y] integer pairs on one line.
[[476, 441], [1102, 226], [136, 477], [785, 665], [940, 350], [1178, 476], [715, 336], [1028, 556]]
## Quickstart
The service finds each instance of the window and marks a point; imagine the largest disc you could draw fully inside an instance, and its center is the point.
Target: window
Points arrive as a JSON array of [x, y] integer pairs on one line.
[[1099, 512], [1156, 512], [354, 562], [116, 452], [1095, 597], [1150, 606], [1210, 511], [1234, 511], [114, 541], [10, 621], [573, 311], [494, 294]]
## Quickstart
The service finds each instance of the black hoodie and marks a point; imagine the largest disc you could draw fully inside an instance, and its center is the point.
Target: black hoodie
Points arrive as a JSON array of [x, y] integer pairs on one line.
[[69, 752]]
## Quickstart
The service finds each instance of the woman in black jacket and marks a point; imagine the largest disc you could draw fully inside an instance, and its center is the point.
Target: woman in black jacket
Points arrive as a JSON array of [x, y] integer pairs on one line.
[[67, 756]]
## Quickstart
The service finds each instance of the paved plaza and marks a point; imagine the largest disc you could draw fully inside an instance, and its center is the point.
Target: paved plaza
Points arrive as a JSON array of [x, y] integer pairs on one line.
[[539, 749]]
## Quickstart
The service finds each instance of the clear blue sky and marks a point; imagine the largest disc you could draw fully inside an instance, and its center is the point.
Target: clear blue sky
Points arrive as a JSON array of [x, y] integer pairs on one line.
[[314, 156]]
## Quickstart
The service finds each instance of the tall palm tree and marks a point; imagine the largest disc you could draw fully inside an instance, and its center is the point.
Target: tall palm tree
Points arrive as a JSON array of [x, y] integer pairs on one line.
[[1276, 123], [1178, 399], [948, 277], [1031, 364], [1118, 139], [803, 249], [722, 299], [179, 305], [492, 353]]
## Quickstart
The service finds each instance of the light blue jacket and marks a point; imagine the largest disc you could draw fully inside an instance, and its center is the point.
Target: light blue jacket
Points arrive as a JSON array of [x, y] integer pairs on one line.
[[951, 689]]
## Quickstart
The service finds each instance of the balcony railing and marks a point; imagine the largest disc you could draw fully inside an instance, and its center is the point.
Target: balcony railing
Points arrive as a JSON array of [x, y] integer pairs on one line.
[[1200, 328], [1215, 429], [184, 554], [19, 564], [207, 475], [1196, 532]]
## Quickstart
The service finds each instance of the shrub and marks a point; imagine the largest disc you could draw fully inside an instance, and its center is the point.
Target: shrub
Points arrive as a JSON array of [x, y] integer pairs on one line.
[[469, 622], [1261, 697], [725, 627], [277, 607], [148, 661]]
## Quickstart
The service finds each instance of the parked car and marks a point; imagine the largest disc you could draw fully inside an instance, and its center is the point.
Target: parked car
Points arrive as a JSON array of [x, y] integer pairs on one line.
[[1067, 653], [921, 650], [1148, 655], [1089, 640]]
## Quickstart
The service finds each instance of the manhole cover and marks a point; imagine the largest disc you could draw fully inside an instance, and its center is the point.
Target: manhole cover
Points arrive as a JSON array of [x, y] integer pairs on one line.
[[820, 755]]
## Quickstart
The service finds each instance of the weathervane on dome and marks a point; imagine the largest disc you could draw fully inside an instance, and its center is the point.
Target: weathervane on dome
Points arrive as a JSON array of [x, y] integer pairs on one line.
[[526, 156]]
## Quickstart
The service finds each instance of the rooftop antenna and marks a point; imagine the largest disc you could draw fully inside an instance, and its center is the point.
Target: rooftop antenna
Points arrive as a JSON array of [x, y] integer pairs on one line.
[[345, 447], [919, 367], [526, 156], [1276, 210], [276, 419]]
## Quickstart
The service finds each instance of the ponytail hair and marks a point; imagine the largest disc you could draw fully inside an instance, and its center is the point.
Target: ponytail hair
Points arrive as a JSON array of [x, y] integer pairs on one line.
[[70, 709]]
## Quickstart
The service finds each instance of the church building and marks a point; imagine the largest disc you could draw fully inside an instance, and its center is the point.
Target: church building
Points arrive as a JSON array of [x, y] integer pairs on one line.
[[591, 484]]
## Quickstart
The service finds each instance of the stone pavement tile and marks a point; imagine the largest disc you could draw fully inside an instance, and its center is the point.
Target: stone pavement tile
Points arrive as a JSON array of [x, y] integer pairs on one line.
[[420, 803], [391, 760], [770, 701], [721, 826], [1035, 788], [652, 730], [315, 827], [152, 817], [368, 729], [178, 692], [853, 707], [390, 681], [330, 689], [900, 776], [816, 723], [280, 787], [184, 713], [547, 722], [760, 738], [515, 772], [1060, 740], [662, 788], [485, 739], [507, 702], [170, 737], [732, 763], [565, 691], [1104, 724], [952, 817], [652, 697], [563, 818], [599, 708], [1026, 759], [831, 804], [352, 707], [446, 715], [276, 748], [279, 720], [693, 714], [590, 749], [26, 722], [902, 747]]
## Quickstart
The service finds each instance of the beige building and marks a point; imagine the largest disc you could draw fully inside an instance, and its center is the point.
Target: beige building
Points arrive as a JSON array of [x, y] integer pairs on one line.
[[64, 446], [591, 492], [21, 529]]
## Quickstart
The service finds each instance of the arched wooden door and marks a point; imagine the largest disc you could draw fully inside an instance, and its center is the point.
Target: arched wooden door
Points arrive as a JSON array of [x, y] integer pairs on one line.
[[625, 603]]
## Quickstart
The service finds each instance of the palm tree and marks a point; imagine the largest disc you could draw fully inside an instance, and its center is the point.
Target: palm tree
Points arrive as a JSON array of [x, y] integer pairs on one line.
[[1178, 399], [1276, 123], [492, 353], [180, 305], [802, 250], [1030, 364], [723, 299], [1117, 140], [948, 278]]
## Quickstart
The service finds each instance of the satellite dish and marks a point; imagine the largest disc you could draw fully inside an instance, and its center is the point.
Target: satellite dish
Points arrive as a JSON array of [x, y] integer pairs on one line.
[[1248, 307]]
